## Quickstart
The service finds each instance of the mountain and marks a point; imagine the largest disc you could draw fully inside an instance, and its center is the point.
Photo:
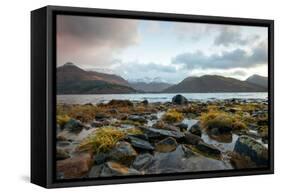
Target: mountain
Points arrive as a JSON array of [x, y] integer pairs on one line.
[[74, 80], [150, 87], [258, 80], [213, 83]]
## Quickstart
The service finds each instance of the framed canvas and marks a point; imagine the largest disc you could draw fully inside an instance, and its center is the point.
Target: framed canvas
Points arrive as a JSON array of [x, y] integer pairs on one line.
[[125, 96]]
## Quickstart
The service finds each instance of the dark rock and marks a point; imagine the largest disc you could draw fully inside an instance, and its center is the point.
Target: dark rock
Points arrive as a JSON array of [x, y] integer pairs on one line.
[[100, 158], [123, 153], [163, 125], [191, 139], [115, 169], [101, 116], [179, 99], [182, 126], [75, 167], [142, 161], [145, 102], [208, 149], [61, 154], [113, 111], [95, 171], [166, 145], [153, 117], [196, 130], [169, 162], [160, 133], [121, 103], [74, 126], [137, 118], [140, 143], [248, 146], [241, 162]]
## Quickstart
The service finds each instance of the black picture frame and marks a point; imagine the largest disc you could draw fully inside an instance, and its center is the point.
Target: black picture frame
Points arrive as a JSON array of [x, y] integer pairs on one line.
[[43, 94]]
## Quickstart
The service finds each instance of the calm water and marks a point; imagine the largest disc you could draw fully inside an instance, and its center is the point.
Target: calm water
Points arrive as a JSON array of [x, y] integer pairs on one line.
[[103, 98]]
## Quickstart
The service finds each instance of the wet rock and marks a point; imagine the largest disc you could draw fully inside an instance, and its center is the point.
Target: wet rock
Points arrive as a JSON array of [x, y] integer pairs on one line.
[[116, 169], [241, 162], [137, 118], [163, 125], [191, 139], [75, 167], [154, 133], [182, 126], [248, 146], [74, 126], [100, 158], [61, 154], [169, 162], [123, 153], [101, 116], [166, 145], [95, 171], [140, 143], [142, 161], [179, 99], [196, 130], [120, 103], [145, 102], [208, 149]]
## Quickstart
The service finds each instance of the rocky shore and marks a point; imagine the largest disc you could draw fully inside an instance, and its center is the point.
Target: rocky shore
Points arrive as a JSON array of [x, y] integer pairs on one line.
[[122, 138]]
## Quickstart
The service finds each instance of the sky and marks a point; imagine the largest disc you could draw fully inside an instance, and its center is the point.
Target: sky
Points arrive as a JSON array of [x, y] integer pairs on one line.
[[147, 50]]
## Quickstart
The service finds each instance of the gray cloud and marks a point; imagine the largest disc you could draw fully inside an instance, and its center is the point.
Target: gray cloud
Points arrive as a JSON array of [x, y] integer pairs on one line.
[[232, 35], [92, 40], [237, 58]]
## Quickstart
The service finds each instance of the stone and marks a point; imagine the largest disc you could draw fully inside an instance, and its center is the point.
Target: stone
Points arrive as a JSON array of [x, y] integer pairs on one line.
[[100, 158], [162, 125], [74, 126], [61, 154], [154, 133], [208, 149], [75, 167], [101, 116], [123, 153], [122, 103], [179, 99], [115, 169], [142, 161], [248, 146], [95, 171], [140, 143], [241, 162], [182, 126], [166, 145], [191, 139], [137, 118], [196, 130]]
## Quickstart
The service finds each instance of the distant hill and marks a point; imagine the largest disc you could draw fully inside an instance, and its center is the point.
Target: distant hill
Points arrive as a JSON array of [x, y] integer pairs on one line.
[[258, 80], [213, 83], [150, 87], [74, 80]]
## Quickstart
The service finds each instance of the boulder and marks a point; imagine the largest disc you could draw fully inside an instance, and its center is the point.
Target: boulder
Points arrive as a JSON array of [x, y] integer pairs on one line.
[[142, 161], [137, 118], [95, 171], [121, 103], [145, 102], [208, 149], [191, 139], [100, 123], [163, 125], [179, 99], [101, 116], [123, 153], [100, 158], [140, 143], [166, 145], [74, 126], [182, 126], [248, 146], [61, 154], [154, 133], [241, 162], [75, 167], [115, 169], [196, 130]]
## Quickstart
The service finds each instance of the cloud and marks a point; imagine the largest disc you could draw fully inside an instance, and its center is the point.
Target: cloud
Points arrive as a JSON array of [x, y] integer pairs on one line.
[[232, 35], [93, 40], [237, 58]]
